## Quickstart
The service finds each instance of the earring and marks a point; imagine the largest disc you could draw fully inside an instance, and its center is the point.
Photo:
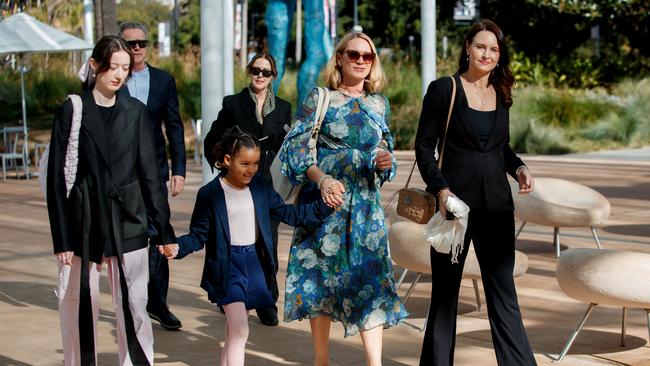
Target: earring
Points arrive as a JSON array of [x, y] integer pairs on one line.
[[94, 75], [468, 57]]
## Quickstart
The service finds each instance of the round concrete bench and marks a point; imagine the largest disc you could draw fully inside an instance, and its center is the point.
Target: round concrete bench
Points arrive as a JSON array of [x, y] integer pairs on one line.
[[605, 277], [560, 203], [410, 251]]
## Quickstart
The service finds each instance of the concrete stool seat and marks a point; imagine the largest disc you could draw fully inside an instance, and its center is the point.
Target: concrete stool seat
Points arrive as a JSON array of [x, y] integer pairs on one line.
[[409, 250], [605, 277], [560, 203]]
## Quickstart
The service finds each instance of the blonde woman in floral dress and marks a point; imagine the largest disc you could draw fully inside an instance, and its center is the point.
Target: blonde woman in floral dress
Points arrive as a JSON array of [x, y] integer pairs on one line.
[[341, 270]]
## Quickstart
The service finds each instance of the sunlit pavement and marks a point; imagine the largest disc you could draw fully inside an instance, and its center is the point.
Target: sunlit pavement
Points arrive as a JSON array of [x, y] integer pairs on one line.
[[30, 326]]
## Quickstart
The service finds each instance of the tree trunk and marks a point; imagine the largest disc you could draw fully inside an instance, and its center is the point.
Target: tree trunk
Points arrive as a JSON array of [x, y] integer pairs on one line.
[[105, 18]]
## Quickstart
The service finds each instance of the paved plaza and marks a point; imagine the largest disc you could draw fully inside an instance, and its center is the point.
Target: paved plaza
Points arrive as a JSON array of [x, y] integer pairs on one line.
[[30, 326]]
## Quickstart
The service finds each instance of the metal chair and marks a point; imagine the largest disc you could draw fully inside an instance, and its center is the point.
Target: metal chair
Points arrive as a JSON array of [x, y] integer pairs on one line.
[[16, 150]]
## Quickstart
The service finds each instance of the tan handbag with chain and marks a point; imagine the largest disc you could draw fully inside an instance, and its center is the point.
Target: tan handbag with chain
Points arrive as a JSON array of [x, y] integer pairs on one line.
[[416, 204]]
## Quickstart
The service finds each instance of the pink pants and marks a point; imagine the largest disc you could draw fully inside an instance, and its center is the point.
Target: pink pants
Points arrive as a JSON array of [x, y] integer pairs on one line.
[[136, 272]]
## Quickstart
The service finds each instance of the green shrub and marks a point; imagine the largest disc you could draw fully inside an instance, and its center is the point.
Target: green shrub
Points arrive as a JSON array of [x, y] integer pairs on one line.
[[50, 89], [531, 137], [629, 125], [43, 92], [562, 107], [404, 91], [580, 120], [529, 72], [547, 117], [10, 99], [187, 72]]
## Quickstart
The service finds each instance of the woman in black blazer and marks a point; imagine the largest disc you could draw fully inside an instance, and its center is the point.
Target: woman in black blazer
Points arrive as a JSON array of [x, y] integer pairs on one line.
[[98, 213], [256, 111], [477, 159], [259, 113]]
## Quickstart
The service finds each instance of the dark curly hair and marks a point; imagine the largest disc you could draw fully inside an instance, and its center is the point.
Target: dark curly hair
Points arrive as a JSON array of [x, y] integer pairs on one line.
[[232, 141], [501, 77]]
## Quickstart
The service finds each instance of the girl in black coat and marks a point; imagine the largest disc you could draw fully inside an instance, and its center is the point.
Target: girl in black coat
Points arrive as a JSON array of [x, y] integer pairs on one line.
[[477, 159], [103, 220]]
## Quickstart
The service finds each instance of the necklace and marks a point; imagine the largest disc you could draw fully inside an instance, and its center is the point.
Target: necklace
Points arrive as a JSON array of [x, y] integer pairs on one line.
[[482, 96], [352, 93]]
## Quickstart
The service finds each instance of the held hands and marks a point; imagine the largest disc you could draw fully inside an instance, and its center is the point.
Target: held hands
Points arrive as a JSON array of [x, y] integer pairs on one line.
[[383, 160], [65, 257], [170, 251], [525, 180], [176, 185], [331, 190]]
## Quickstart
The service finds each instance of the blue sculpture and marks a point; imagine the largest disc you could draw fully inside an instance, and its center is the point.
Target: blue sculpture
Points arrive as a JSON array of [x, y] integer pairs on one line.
[[279, 20]]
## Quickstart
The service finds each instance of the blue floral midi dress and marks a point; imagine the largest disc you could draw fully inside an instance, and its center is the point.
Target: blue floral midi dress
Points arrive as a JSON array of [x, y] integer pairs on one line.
[[342, 269]]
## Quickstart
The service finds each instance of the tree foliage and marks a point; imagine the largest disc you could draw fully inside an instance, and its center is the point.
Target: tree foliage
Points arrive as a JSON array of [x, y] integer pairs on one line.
[[189, 24], [562, 35], [149, 13]]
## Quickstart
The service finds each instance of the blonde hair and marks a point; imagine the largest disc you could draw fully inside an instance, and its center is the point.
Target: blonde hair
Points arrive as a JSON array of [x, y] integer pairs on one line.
[[332, 76]]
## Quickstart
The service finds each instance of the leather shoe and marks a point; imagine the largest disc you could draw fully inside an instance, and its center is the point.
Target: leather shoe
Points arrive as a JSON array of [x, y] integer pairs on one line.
[[268, 315], [166, 319]]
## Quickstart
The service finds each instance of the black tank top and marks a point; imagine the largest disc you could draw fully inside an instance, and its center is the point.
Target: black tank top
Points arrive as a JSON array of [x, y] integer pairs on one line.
[[483, 122]]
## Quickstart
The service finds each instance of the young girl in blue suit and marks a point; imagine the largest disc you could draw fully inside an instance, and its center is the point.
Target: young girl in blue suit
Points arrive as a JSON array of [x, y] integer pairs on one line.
[[232, 219]]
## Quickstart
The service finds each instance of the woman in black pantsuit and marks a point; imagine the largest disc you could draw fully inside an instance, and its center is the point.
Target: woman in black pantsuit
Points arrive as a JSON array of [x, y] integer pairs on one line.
[[476, 162]]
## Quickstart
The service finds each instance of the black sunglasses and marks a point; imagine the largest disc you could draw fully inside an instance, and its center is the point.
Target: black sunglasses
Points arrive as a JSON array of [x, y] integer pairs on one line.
[[142, 43], [255, 71], [353, 55]]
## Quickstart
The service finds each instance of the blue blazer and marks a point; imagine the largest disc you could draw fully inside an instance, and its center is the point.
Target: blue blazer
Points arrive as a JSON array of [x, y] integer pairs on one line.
[[209, 227]]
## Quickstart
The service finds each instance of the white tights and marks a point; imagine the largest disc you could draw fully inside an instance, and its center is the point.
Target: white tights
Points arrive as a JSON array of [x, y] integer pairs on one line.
[[236, 334]]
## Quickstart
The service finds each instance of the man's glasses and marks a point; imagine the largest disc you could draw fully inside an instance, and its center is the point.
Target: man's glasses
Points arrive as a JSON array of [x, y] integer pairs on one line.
[[354, 56], [142, 43], [255, 71]]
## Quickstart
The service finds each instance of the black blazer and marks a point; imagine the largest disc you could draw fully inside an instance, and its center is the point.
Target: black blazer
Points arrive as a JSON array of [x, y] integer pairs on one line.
[[209, 227], [469, 169], [239, 110], [162, 104], [117, 178]]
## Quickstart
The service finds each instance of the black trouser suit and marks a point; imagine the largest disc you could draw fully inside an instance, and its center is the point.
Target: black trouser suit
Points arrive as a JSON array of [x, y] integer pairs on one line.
[[492, 234]]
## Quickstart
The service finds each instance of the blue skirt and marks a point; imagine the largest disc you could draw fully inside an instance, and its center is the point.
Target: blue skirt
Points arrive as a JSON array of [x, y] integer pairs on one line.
[[247, 283]]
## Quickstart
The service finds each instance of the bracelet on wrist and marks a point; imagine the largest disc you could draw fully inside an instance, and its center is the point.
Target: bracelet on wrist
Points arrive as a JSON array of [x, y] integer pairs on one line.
[[322, 178], [440, 191], [520, 168]]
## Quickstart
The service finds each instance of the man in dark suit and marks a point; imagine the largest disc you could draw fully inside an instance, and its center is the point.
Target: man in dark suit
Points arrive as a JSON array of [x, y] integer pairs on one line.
[[157, 90]]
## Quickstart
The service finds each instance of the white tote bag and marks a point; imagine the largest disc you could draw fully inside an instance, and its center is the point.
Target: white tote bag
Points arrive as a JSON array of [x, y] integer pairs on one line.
[[281, 183]]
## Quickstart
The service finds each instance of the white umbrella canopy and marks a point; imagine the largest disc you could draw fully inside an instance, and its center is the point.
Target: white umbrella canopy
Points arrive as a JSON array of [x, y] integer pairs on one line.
[[21, 33]]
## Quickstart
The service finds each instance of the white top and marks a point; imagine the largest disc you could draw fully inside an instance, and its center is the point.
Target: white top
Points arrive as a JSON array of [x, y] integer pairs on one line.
[[241, 214]]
